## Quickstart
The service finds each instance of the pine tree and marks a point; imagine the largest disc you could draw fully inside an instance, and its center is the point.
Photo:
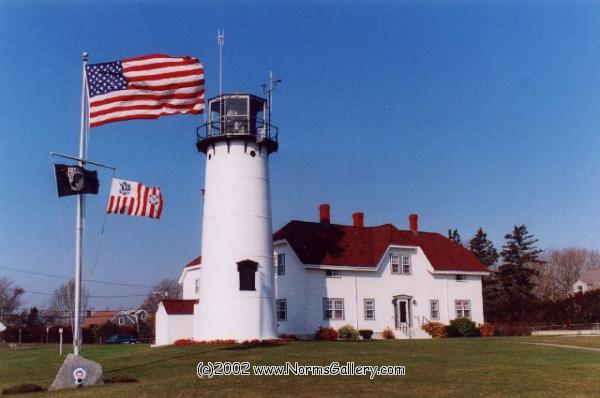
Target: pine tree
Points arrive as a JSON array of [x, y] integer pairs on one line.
[[517, 274], [454, 236], [33, 318], [483, 249]]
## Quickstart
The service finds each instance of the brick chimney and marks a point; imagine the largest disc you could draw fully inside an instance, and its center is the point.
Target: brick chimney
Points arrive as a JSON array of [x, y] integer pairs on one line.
[[358, 219], [324, 213], [414, 222]]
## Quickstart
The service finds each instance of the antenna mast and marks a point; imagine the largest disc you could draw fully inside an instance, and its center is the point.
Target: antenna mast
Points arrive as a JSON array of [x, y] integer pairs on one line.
[[268, 90], [220, 42]]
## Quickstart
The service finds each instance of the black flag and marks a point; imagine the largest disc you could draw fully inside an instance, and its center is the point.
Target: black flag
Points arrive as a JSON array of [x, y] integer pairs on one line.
[[75, 180]]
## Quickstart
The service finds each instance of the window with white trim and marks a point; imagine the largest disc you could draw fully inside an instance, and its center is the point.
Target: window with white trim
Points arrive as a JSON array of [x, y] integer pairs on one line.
[[121, 321], [400, 264], [333, 308], [281, 305], [406, 264], [460, 277], [369, 305], [197, 286], [463, 308], [434, 310], [395, 263], [332, 273], [280, 259]]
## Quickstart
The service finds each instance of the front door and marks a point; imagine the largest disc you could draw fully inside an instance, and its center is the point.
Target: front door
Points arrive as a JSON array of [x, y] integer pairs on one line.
[[403, 311]]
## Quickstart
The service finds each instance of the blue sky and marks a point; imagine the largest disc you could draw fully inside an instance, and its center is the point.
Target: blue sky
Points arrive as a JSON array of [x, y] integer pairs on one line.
[[469, 114]]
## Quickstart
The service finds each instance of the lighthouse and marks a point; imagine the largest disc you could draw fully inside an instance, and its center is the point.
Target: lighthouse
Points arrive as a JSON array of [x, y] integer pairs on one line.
[[236, 294]]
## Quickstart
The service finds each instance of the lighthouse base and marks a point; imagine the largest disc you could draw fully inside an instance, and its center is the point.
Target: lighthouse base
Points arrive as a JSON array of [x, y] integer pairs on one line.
[[238, 319]]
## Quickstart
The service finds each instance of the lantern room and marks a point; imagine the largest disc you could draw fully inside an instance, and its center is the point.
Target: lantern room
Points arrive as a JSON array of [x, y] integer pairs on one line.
[[237, 117]]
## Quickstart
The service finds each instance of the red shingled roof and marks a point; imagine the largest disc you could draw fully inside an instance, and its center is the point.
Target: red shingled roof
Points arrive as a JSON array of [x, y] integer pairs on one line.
[[194, 262], [349, 246], [179, 307]]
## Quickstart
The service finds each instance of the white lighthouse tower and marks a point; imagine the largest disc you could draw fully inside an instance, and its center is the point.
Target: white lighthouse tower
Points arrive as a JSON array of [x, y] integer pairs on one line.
[[236, 286]]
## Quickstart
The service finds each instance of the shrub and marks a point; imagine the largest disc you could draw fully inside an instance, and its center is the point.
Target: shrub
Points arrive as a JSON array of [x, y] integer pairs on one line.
[[437, 330], [511, 330], [347, 332], [388, 333], [121, 379], [21, 389], [487, 330], [328, 334], [463, 327], [365, 333]]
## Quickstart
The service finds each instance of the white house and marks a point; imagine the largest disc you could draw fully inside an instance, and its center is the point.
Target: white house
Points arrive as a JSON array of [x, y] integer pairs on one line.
[[369, 277], [588, 280]]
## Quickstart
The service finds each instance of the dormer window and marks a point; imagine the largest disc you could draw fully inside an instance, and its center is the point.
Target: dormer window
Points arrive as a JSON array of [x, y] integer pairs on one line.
[[247, 270], [400, 264], [395, 263]]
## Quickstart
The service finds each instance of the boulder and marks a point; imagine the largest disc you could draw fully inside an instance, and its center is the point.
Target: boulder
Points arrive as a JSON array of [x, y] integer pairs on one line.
[[76, 371]]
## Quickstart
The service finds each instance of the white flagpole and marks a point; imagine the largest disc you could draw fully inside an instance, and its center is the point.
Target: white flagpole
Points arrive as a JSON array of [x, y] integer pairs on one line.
[[80, 216]]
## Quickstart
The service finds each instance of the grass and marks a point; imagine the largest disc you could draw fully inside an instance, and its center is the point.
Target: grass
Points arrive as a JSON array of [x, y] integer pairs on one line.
[[489, 367]]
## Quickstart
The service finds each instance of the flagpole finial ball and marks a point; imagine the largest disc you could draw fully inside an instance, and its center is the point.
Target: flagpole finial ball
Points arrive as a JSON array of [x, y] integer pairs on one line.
[[85, 55]]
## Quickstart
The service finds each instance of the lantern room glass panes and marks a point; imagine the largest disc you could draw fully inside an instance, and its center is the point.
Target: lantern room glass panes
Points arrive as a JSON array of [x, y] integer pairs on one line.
[[237, 114]]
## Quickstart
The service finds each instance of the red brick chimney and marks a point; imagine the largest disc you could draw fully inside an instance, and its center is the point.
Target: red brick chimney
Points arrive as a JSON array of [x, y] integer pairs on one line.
[[324, 214], [414, 222], [358, 219]]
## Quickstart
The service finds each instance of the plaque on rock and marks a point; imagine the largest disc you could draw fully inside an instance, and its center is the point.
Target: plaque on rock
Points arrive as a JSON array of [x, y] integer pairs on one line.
[[76, 371]]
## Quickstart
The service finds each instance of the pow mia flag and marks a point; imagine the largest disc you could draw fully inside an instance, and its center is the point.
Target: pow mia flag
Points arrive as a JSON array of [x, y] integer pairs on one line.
[[75, 180]]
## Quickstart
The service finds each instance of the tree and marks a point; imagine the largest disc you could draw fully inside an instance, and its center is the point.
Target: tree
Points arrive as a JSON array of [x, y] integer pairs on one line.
[[562, 268], [517, 273], [10, 297], [454, 236], [483, 249], [33, 319], [62, 307], [165, 289]]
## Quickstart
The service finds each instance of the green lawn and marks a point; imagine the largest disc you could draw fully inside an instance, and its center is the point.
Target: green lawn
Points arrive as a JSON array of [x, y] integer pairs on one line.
[[489, 367]]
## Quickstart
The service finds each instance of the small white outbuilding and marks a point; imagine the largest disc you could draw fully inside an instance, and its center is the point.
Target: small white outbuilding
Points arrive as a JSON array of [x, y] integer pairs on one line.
[[174, 321]]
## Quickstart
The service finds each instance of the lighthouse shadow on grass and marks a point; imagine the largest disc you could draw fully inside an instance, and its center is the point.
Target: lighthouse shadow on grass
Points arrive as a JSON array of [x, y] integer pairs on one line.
[[258, 344]]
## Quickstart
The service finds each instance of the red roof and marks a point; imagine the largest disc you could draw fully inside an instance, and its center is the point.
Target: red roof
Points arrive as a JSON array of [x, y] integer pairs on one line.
[[179, 307], [99, 318], [349, 246], [194, 262]]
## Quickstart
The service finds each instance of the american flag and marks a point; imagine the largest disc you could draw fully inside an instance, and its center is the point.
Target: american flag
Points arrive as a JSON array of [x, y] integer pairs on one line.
[[145, 87], [134, 199]]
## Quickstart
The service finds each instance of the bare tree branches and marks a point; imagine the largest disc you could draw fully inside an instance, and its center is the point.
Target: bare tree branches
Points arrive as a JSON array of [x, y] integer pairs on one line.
[[10, 297], [165, 289], [63, 301], [562, 269]]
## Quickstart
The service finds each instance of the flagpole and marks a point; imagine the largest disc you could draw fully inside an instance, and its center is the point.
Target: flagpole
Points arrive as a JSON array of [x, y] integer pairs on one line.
[[80, 216]]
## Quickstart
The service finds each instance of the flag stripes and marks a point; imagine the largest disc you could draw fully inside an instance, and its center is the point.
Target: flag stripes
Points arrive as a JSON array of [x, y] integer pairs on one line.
[[134, 199], [146, 87]]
